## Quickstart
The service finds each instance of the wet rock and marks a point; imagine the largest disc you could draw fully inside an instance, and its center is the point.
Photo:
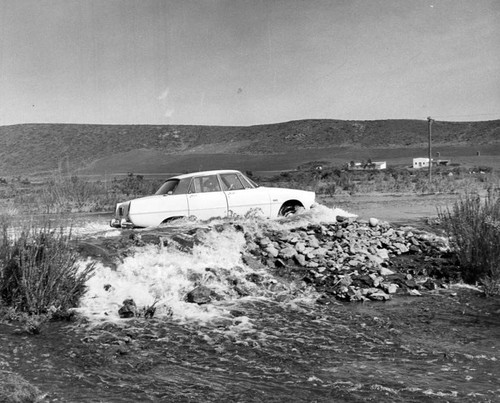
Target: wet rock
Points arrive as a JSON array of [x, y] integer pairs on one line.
[[128, 310], [254, 278], [312, 264], [361, 251], [272, 251], [430, 284], [300, 247], [379, 295], [279, 263], [412, 284], [235, 313], [345, 280], [399, 247], [149, 311], [375, 259], [252, 262], [271, 263], [288, 252], [383, 253], [200, 295], [363, 281], [264, 242], [383, 271], [241, 291], [183, 242], [414, 249], [300, 259], [389, 288], [252, 246]]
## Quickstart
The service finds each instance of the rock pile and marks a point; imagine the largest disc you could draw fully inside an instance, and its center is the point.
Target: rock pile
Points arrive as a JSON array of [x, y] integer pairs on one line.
[[349, 259]]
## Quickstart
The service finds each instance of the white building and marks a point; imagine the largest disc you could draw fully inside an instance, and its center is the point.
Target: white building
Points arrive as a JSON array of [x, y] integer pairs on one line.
[[424, 162], [380, 164], [420, 162]]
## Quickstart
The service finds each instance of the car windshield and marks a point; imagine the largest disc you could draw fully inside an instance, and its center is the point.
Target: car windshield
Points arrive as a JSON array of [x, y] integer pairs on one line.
[[168, 187], [249, 181], [174, 186]]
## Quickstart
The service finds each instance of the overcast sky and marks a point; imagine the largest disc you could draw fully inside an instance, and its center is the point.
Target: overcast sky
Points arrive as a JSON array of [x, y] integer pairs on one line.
[[246, 62]]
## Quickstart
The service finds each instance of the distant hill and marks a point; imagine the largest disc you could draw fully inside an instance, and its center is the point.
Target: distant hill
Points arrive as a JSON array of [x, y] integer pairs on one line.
[[39, 148]]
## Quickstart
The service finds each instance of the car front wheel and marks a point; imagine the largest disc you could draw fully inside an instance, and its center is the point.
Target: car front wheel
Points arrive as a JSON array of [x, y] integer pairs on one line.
[[289, 209]]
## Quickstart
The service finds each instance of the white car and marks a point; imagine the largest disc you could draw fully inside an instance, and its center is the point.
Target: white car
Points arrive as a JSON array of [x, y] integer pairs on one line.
[[209, 194]]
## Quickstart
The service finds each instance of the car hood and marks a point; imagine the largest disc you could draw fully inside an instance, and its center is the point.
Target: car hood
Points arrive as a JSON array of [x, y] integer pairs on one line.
[[287, 191]]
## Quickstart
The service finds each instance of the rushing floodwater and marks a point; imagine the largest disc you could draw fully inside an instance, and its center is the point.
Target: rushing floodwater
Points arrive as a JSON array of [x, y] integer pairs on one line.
[[263, 341]]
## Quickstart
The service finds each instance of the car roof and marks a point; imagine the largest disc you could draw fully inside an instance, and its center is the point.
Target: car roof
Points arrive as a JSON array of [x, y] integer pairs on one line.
[[204, 173]]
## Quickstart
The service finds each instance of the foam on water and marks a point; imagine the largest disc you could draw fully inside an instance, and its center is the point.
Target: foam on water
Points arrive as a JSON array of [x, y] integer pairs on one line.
[[167, 274], [94, 228]]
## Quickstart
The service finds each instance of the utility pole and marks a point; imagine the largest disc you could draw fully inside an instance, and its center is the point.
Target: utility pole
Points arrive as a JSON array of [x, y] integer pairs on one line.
[[429, 125]]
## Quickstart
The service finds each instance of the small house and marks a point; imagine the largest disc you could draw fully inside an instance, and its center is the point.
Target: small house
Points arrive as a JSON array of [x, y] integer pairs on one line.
[[420, 162], [424, 162], [380, 164]]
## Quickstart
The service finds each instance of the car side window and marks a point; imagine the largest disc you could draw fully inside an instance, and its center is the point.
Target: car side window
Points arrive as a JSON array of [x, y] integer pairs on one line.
[[205, 184], [195, 186], [182, 187], [231, 182]]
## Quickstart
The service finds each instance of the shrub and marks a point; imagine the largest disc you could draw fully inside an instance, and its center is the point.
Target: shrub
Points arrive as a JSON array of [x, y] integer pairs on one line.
[[473, 226], [39, 273]]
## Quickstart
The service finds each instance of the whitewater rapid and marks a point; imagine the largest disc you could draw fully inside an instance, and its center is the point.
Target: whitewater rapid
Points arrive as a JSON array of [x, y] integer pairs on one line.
[[164, 275]]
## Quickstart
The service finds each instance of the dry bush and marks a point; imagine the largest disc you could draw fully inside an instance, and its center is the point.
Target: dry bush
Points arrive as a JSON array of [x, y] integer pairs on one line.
[[39, 272], [473, 225]]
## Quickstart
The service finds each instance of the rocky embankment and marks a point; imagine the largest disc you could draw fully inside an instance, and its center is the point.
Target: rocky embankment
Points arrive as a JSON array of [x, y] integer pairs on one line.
[[357, 260], [349, 260]]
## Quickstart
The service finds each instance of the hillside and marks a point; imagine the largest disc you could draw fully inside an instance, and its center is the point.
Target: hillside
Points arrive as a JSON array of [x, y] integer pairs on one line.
[[37, 148]]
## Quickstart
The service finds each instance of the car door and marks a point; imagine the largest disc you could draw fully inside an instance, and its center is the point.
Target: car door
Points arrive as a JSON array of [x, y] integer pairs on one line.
[[242, 197], [206, 198], [170, 201]]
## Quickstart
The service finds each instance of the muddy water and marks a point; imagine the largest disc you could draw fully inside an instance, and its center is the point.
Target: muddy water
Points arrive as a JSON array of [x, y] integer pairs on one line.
[[291, 352], [266, 340]]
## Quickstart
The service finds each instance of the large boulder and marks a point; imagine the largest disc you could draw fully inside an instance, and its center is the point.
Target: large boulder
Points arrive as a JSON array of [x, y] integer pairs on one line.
[[200, 295], [128, 310]]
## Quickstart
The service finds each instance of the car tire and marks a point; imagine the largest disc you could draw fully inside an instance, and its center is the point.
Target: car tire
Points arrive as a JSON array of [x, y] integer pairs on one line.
[[288, 210], [172, 220]]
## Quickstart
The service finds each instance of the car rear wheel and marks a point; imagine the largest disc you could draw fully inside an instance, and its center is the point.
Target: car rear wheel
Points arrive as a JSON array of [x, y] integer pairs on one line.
[[172, 220]]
